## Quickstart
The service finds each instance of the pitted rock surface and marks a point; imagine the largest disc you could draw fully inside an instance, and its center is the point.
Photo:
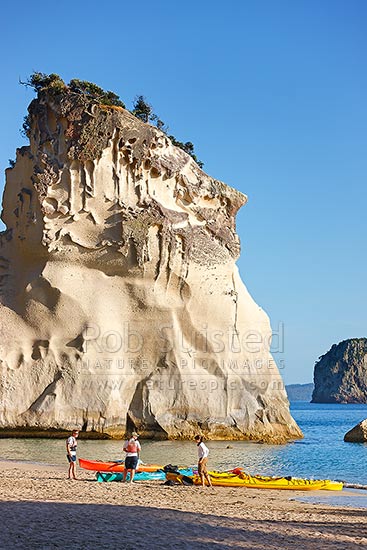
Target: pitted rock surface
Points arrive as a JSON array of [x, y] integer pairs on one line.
[[121, 304]]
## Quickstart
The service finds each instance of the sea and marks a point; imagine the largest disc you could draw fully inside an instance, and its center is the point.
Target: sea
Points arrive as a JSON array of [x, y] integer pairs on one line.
[[322, 454]]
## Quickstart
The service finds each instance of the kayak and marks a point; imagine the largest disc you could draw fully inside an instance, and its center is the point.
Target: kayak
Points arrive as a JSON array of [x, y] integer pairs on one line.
[[117, 466], [242, 479], [139, 476]]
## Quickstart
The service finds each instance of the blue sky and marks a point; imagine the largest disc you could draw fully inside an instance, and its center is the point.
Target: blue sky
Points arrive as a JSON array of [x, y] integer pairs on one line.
[[273, 95]]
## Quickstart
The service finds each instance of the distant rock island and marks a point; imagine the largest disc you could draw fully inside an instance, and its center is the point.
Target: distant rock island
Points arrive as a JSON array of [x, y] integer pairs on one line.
[[121, 304], [340, 376], [299, 392]]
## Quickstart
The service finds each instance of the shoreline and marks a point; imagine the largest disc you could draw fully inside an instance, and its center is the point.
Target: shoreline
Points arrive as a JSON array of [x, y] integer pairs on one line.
[[43, 509], [32, 433]]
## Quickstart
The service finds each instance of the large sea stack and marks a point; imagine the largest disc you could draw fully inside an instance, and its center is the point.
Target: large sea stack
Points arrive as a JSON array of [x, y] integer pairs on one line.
[[340, 376], [121, 304]]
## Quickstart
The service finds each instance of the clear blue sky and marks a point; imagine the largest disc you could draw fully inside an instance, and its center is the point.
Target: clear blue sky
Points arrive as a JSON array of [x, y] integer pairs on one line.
[[273, 93]]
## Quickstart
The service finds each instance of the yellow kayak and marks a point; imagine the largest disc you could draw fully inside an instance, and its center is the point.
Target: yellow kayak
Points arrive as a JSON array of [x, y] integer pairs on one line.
[[226, 479]]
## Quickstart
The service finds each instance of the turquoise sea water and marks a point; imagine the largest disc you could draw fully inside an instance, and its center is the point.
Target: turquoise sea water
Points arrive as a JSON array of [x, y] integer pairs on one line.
[[321, 454]]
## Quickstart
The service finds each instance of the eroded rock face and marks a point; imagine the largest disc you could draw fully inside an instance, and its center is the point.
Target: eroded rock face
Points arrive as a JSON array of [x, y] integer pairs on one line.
[[358, 434], [340, 376], [122, 306]]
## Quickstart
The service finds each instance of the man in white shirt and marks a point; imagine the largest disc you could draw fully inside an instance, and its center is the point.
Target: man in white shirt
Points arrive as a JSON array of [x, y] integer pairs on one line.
[[132, 449], [71, 446], [203, 453]]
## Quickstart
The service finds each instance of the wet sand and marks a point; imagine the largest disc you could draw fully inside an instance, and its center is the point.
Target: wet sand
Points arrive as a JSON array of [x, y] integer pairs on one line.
[[41, 509]]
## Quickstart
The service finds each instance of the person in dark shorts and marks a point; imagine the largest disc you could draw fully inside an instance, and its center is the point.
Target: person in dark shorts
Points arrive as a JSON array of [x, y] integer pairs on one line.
[[71, 446], [132, 449], [203, 453]]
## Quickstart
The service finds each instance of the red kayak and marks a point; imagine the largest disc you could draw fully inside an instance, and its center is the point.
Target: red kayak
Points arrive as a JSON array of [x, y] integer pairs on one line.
[[100, 466]]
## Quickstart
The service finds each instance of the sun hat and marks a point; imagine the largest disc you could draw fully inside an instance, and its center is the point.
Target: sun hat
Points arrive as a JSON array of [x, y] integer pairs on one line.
[[134, 434]]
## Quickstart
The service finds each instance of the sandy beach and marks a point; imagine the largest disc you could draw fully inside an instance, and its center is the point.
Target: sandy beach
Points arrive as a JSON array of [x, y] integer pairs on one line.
[[42, 509]]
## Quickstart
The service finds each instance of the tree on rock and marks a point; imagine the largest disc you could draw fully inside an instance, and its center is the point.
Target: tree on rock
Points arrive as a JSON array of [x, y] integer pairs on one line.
[[95, 92], [51, 82], [143, 110], [54, 85]]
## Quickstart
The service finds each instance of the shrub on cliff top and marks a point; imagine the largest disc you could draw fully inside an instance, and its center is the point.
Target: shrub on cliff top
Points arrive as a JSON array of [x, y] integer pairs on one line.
[[54, 85], [95, 92], [144, 111]]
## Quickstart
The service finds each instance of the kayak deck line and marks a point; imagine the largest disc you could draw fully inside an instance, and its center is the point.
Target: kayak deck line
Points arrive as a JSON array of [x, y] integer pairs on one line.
[[227, 479]]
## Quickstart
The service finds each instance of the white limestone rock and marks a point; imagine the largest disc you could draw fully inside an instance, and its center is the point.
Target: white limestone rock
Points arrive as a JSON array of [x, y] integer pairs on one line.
[[121, 303]]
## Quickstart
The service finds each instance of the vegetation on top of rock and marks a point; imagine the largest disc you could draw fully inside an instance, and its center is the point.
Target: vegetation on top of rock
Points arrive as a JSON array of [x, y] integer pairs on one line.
[[144, 111], [95, 92], [54, 85]]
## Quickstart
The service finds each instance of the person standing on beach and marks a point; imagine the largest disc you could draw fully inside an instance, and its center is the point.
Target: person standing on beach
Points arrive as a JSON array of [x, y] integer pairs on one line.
[[203, 453], [132, 449], [71, 446]]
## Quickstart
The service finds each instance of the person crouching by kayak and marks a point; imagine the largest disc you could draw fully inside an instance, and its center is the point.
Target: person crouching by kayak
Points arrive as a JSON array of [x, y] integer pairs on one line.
[[71, 446], [203, 453], [132, 449]]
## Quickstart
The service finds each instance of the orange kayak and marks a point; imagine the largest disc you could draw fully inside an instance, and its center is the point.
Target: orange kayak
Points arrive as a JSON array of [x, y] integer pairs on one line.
[[100, 466]]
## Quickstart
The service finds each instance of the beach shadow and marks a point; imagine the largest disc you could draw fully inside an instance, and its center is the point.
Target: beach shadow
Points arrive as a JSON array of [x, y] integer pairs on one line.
[[49, 525], [351, 512]]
